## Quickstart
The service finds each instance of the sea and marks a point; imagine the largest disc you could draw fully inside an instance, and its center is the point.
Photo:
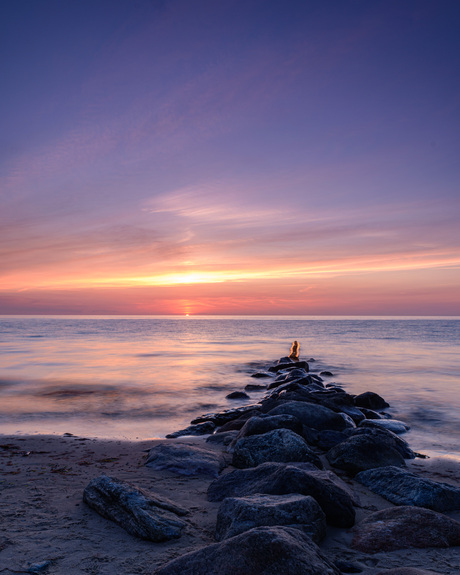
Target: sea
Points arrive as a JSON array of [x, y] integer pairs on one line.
[[142, 377]]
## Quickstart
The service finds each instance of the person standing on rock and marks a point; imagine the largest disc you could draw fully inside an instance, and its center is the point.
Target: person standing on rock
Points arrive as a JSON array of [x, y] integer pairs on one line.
[[295, 348]]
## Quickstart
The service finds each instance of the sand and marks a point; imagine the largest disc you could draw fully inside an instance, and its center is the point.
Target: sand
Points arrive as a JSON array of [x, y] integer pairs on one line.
[[46, 527]]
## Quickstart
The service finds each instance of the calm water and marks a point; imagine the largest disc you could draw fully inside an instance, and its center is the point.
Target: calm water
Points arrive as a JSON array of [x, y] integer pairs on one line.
[[144, 377]]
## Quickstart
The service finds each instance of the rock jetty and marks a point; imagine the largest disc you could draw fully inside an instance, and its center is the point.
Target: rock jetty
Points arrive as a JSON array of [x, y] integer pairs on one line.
[[282, 470]]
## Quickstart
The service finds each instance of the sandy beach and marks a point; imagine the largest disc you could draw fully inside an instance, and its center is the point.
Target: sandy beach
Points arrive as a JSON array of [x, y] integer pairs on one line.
[[47, 528]]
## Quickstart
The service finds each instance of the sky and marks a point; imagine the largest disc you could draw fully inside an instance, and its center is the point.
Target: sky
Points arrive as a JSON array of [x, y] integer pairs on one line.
[[241, 157]]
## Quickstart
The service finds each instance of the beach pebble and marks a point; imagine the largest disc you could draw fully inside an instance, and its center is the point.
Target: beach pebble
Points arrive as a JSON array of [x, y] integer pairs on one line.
[[139, 512], [312, 415], [405, 527], [239, 514], [262, 550], [280, 479], [185, 459], [370, 400], [280, 445], [199, 429], [360, 452], [404, 488], [393, 425]]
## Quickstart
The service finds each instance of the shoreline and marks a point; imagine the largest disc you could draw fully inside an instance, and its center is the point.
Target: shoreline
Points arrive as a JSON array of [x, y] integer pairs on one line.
[[47, 528]]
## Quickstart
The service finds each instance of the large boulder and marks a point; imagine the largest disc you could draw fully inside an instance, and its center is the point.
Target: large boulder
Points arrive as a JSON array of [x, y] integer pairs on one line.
[[260, 551], [281, 445], [259, 425], [312, 415], [279, 479], [239, 514], [360, 452], [370, 400], [405, 527], [404, 488], [393, 425], [185, 459], [139, 512], [389, 438], [406, 571]]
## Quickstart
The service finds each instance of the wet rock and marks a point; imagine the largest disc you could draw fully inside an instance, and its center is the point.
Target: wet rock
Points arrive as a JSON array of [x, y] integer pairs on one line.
[[199, 429], [405, 527], [404, 488], [280, 445], [391, 424], [226, 415], [259, 425], [370, 413], [238, 422], [254, 387], [237, 395], [279, 479], [360, 452], [139, 512], [290, 365], [222, 438], [239, 514], [312, 415], [328, 438], [370, 400], [261, 375], [327, 374], [387, 437], [185, 459], [261, 551], [406, 571]]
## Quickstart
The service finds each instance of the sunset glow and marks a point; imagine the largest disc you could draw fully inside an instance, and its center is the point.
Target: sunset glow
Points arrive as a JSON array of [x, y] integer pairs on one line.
[[246, 158]]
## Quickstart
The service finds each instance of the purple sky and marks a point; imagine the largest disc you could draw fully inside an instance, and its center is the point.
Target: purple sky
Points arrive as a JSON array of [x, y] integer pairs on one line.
[[188, 156]]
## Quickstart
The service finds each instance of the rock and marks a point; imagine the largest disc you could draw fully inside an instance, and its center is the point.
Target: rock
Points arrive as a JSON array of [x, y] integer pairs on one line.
[[237, 395], [360, 452], [222, 438], [259, 551], [391, 424], [312, 415], [328, 438], [139, 512], [239, 514], [327, 374], [281, 445], [405, 527], [185, 459], [279, 479], [226, 415], [370, 414], [388, 437], [404, 488], [291, 365], [406, 571], [261, 375], [199, 429], [257, 425], [253, 387], [370, 400], [347, 566]]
